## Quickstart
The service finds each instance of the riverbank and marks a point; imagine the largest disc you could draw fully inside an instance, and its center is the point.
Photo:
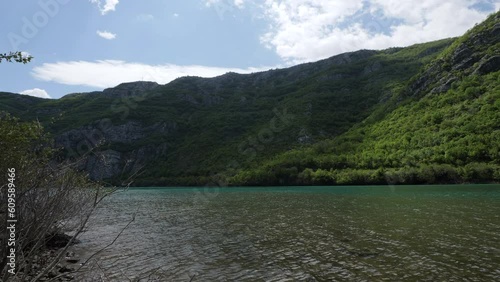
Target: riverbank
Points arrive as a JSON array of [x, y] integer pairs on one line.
[[63, 270]]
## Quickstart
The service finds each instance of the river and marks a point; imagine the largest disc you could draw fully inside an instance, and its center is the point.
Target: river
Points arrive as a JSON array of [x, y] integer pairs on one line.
[[370, 233]]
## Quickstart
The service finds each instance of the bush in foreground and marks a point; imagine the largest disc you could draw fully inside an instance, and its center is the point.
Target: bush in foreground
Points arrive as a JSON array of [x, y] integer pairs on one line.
[[48, 199]]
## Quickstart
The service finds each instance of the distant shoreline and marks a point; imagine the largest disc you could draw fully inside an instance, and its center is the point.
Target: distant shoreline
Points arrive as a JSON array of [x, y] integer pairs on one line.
[[308, 186]]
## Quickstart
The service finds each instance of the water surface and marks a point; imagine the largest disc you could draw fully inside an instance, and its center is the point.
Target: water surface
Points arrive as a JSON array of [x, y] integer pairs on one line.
[[402, 233]]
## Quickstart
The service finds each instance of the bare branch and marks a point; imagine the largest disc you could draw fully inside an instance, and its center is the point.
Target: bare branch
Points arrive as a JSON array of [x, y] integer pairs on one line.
[[110, 244]]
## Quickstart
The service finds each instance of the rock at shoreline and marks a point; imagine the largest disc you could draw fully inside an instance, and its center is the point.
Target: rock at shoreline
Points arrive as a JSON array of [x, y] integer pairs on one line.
[[58, 240]]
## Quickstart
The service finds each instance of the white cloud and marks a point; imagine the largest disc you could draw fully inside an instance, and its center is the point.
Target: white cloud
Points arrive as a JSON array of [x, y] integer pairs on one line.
[[105, 6], [36, 92], [209, 3], [106, 35], [239, 3], [109, 73], [224, 8], [309, 30], [176, 15]]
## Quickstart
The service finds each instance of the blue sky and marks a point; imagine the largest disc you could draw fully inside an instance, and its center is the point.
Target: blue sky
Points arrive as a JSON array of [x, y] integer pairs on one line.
[[88, 45]]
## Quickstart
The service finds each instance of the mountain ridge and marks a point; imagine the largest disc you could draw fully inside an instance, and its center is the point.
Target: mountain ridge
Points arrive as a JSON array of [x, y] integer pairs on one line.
[[445, 131], [187, 131]]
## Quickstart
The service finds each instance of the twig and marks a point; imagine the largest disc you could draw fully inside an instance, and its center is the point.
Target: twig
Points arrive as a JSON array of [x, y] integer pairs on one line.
[[82, 226], [107, 246]]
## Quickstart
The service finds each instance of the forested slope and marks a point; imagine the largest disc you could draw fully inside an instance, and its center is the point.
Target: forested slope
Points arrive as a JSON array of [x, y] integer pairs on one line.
[[427, 113], [444, 127]]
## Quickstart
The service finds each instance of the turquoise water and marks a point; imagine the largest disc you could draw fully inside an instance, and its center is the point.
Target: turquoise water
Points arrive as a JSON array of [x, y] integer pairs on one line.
[[382, 233]]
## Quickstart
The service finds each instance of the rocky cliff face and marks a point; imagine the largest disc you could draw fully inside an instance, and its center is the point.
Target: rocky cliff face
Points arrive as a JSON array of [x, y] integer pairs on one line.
[[110, 164], [130, 89], [96, 146], [476, 53]]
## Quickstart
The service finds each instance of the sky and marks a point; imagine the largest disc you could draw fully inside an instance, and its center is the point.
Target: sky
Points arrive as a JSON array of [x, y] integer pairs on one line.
[[89, 45]]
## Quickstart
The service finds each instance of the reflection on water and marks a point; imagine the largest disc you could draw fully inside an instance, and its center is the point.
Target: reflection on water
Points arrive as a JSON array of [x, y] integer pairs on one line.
[[432, 233]]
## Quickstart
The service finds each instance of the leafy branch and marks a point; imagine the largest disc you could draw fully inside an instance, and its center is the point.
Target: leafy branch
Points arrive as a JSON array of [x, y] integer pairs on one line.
[[18, 57]]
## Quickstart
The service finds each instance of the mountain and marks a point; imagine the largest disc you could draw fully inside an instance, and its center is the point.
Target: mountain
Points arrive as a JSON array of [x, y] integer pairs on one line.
[[442, 127], [423, 114]]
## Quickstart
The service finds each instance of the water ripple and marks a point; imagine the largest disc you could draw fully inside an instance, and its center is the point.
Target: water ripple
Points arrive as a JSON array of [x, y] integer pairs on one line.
[[296, 235]]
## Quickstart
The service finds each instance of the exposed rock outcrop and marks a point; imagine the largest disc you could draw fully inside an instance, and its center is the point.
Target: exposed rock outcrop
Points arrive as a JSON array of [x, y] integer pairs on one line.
[[468, 58], [488, 65], [444, 84], [88, 145], [130, 89]]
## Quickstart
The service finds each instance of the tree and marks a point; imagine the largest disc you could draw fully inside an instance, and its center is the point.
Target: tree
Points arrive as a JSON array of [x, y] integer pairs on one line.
[[49, 198], [18, 57]]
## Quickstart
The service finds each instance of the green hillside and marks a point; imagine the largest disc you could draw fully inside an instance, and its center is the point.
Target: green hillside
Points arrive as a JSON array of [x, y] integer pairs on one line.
[[444, 127], [422, 114]]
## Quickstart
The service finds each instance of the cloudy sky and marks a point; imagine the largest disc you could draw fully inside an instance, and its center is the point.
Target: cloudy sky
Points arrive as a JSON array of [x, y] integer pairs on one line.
[[88, 45]]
